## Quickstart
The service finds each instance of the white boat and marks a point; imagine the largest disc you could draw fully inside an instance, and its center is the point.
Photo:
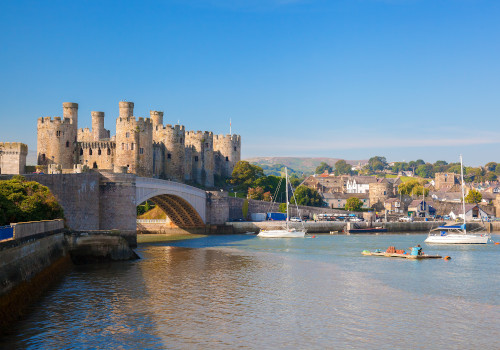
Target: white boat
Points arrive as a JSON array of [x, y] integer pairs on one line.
[[457, 234], [286, 232]]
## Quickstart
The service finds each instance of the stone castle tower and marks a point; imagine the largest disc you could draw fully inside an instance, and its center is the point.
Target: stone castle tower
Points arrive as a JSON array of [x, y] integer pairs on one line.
[[142, 146]]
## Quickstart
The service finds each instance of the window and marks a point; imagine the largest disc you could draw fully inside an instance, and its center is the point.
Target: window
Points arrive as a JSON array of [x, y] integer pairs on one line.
[[132, 146], [123, 146], [109, 151], [127, 135], [81, 151], [99, 152], [169, 156], [235, 148], [195, 158], [90, 151], [94, 165], [67, 143], [385, 193], [43, 157], [58, 133], [227, 159], [181, 139], [141, 150]]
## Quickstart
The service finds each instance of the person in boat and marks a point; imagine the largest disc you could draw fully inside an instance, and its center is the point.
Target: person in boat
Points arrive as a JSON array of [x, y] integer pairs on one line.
[[417, 250]]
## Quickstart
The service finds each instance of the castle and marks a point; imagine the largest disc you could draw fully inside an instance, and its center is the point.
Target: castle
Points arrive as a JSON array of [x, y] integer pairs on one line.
[[13, 157], [142, 146]]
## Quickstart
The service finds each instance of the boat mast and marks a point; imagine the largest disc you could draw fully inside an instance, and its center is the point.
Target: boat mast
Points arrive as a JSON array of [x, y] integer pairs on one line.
[[286, 183], [463, 192]]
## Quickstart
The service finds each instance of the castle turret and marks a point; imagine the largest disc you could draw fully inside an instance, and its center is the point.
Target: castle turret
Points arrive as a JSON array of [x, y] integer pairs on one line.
[[227, 150], [98, 131], [157, 119], [202, 161], [134, 144], [56, 143], [70, 111], [126, 109], [171, 142]]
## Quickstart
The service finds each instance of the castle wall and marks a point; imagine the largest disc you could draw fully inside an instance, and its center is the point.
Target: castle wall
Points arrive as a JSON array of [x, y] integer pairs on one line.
[[13, 157], [227, 150], [445, 181], [379, 192], [97, 155], [202, 157], [143, 146], [173, 152], [134, 145]]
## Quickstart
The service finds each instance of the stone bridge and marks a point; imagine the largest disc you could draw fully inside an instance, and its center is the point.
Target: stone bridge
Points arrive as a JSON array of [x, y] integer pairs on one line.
[[95, 201]]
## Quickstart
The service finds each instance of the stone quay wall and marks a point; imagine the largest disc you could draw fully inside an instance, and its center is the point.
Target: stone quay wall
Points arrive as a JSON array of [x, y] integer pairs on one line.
[[27, 229]]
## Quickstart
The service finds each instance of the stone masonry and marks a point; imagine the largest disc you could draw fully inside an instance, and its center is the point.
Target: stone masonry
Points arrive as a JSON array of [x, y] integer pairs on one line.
[[141, 146], [13, 157]]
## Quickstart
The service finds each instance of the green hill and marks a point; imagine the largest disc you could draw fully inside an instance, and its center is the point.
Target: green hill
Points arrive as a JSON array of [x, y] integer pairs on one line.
[[299, 165]]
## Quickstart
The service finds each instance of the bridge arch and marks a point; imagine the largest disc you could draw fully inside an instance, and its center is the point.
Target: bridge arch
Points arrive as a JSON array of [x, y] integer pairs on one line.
[[185, 205]]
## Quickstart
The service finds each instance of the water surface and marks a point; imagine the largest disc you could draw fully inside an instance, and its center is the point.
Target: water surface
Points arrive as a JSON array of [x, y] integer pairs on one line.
[[227, 292]]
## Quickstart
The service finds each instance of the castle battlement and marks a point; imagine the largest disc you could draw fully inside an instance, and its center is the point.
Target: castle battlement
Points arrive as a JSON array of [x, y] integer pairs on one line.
[[14, 148], [141, 121], [56, 120], [228, 138]]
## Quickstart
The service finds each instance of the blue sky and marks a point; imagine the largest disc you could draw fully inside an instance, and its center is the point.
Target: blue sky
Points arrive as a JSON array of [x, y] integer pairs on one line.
[[351, 79]]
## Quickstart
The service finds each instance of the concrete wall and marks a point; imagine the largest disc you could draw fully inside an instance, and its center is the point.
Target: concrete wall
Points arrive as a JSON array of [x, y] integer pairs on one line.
[[26, 270], [26, 229], [311, 227]]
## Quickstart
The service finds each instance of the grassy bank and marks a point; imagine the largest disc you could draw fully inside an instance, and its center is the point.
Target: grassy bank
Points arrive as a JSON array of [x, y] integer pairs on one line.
[[151, 238]]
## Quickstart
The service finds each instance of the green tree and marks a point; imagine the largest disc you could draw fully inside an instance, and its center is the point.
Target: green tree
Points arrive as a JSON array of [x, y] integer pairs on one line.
[[440, 163], [377, 163], [491, 166], [425, 171], [454, 168], [244, 175], [322, 167], [307, 196], [244, 209], [353, 204], [342, 168], [473, 197], [399, 166], [491, 176], [413, 187], [282, 208], [22, 200]]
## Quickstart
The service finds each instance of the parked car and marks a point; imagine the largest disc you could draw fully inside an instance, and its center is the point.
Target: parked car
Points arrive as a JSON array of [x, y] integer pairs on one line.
[[405, 219], [296, 219]]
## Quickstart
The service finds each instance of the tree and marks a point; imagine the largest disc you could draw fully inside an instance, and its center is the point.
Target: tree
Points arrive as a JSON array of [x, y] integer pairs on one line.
[[425, 170], [491, 176], [473, 197], [412, 187], [440, 163], [259, 194], [377, 163], [491, 166], [244, 174], [244, 209], [399, 166], [282, 208], [307, 196], [353, 204], [322, 167], [342, 168], [22, 200]]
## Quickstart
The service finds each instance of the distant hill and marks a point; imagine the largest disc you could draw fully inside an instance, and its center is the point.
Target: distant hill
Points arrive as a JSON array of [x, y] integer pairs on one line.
[[298, 164]]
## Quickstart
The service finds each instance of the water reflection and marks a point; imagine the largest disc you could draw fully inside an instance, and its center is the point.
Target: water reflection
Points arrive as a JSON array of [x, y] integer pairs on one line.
[[252, 293]]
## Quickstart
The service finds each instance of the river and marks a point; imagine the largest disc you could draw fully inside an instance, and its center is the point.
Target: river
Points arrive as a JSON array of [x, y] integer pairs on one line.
[[241, 291]]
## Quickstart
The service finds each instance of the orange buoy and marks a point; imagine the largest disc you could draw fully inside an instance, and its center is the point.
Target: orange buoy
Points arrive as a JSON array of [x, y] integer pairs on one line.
[[497, 242], [447, 257], [314, 236]]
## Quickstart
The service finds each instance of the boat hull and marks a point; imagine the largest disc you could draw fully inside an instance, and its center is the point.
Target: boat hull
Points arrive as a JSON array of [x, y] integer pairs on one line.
[[367, 230], [281, 234], [404, 256], [452, 238]]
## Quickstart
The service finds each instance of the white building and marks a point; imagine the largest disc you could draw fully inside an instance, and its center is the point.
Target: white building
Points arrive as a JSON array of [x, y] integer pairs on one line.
[[359, 184]]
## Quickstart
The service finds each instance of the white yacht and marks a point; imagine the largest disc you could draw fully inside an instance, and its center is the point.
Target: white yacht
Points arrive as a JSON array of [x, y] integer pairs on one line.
[[286, 232], [457, 234]]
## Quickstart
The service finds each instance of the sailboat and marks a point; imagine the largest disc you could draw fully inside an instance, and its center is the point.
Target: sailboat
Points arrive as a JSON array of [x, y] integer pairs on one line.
[[286, 232], [457, 234]]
